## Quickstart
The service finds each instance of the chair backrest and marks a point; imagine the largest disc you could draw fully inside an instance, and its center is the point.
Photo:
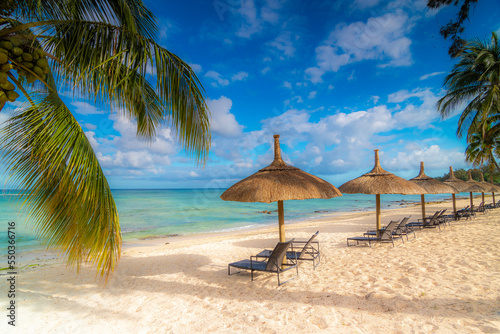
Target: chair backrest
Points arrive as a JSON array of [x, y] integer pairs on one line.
[[387, 233], [441, 214], [276, 258], [433, 218], [302, 252], [403, 222]]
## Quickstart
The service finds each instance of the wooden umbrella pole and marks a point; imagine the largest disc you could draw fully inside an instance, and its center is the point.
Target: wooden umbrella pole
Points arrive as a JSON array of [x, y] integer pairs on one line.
[[281, 220], [482, 195], [379, 225], [493, 194], [454, 206], [471, 201], [422, 200]]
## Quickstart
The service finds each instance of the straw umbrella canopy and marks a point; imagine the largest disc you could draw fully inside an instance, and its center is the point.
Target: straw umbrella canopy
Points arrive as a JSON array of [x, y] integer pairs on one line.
[[432, 186], [491, 187], [496, 187], [279, 182], [378, 181], [484, 187], [461, 186]]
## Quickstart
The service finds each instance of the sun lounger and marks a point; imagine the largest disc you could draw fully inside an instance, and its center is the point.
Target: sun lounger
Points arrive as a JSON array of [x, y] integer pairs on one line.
[[272, 264], [481, 208], [308, 252], [492, 205], [385, 235], [401, 229], [435, 221], [466, 212]]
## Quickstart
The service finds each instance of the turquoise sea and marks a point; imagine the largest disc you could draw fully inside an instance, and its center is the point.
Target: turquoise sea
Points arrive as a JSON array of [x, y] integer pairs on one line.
[[154, 213]]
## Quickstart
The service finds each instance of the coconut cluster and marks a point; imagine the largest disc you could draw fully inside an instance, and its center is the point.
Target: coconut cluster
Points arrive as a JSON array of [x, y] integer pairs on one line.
[[29, 62]]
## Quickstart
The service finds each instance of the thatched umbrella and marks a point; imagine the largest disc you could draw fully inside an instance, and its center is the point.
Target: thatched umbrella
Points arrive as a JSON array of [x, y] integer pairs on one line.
[[379, 181], [461, 186], [279, 182], [491, 188], [484, 188], [496, 186], [432, 186]]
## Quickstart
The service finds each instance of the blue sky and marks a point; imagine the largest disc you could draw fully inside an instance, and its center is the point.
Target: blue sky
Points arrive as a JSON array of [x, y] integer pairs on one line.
[[336, 79]]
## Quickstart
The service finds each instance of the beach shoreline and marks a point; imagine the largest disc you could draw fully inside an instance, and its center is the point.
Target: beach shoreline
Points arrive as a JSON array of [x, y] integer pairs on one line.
[[445, 281]]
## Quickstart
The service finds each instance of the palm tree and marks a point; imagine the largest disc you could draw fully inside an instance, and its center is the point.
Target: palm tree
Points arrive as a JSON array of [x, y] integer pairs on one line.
[[102, 50], [483, 145], [475, 83]]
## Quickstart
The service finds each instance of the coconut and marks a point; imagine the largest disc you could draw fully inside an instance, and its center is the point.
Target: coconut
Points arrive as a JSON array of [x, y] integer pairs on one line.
[[17, 51], [42, 63], [3, 58], [38, 71], [16, 41], [7, 85], [11, 95], [6, 67], [30, 78], [6, 45], [27, 57], [3, 97]]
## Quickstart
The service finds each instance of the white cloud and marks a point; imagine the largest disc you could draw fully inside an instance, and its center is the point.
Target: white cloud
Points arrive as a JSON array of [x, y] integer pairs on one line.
[[196, 67], [265, 70], [220, 81], [284, 43], [84, 108], [312, 95], [287, 84], [217, 77], [427, 76], [223, 122], [379, 38], [89, 126], [254, 19], [239, 76], [433, 156], [337, 140]]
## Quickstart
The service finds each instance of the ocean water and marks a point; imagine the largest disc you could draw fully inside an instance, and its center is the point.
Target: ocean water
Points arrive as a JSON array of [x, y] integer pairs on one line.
[[156, 213]]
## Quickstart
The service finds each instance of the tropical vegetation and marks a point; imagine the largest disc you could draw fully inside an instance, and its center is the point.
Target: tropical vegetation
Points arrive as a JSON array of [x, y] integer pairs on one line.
[[103, 51], [473, 86], [454, 28]]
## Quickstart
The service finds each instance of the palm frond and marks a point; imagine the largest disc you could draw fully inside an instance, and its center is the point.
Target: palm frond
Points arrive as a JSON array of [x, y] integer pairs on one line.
[[67, 196]]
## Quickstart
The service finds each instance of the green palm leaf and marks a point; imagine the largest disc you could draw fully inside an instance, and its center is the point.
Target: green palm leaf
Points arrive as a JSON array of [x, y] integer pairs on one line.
[[103, 50]]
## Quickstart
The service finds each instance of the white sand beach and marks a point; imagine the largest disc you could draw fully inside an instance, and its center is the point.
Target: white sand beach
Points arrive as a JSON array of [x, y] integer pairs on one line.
[[445, 281]]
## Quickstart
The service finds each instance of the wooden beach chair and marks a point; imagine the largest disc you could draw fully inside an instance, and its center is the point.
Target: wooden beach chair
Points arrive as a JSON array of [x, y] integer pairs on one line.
[[272, 264], [308, 252], [385, 235]]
